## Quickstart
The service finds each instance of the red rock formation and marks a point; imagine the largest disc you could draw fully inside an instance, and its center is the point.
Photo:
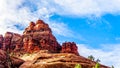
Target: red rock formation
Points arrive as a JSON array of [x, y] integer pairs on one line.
[[1, 41], [45, 59], [16, 62], [6, 61], [7, 40], [16, 42], [39, 37], [12, 41], [3, 59], [69, 47]]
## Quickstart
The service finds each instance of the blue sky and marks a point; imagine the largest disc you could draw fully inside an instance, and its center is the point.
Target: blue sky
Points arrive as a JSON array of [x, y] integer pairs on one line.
[[92, 30], [93, 24]]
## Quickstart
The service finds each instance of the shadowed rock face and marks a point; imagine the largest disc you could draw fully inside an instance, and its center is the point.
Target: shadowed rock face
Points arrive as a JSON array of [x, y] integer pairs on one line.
[[6, 61], [1, 41], [12, 41]]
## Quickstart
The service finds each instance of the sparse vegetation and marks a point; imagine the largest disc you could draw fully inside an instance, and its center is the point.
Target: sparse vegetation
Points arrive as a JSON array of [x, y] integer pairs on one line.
[[112, 66], [98, 60], [8, 59], [97, 65], [91, 57], [78, 66]]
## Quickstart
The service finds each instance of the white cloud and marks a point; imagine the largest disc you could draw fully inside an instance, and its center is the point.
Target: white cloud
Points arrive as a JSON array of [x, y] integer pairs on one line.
[[109, 58], [16, 12], [59, 29], [13, 13], [88, 7]]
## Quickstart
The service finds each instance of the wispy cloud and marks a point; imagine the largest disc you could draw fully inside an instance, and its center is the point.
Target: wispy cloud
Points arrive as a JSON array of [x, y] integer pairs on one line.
[[108, 54], [61, 29], [16, 15], [97, 22], [21, 12], [88, 7]]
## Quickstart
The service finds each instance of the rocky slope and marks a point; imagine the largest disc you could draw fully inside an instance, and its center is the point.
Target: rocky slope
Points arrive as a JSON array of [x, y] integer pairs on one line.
[[44, 59], [41, 48], [9, 62]]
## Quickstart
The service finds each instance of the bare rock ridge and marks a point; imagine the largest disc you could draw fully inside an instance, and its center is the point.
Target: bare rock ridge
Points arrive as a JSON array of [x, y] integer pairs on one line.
[[37, 36]]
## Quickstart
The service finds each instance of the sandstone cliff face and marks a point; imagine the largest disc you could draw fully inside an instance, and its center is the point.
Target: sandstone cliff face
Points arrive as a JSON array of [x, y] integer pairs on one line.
[[69, 47]]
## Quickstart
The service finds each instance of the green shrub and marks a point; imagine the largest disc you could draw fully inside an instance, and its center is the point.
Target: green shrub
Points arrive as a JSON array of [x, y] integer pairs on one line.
[[78, 66], [97, 65], [112, 66]]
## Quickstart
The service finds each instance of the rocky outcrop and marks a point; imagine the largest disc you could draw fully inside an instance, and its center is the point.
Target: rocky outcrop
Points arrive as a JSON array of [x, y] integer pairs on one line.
[[6, 61], [38, 36], [16, 62], [12, 41], [1, 41], [7, 40], [69, 47], [3, 59], [59, 60]]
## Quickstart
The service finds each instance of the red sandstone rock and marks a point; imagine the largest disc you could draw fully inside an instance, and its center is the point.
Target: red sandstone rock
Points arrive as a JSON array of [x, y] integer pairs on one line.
[[1, 41], [12, 41], [45, 59], [7, 40], [16, 42], [69, 47], [16, 62], [6, 61], [39, 37], [3, 59]]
